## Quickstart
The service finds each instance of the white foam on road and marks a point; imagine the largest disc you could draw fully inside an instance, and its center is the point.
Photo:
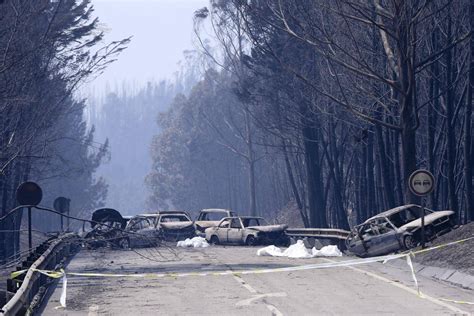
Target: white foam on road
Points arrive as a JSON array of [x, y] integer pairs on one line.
[[299, 251], [196, 242], [327, 251]]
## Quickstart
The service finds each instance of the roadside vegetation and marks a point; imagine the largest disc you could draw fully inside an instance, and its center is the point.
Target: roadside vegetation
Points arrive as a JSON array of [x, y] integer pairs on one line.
[[47, 49], [328, 106]]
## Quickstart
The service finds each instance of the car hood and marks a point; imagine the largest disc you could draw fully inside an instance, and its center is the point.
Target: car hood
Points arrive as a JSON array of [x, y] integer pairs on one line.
[[176, 225], [269, 228], [430, 218], [207, 224]]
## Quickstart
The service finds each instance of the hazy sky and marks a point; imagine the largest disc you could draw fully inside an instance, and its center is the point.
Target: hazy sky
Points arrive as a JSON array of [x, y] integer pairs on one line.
[[161, 30]]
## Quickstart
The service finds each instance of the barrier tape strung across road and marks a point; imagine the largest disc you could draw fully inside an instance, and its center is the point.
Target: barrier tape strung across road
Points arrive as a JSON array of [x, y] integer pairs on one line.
[[347, 263], [383, 259], [58, 274]]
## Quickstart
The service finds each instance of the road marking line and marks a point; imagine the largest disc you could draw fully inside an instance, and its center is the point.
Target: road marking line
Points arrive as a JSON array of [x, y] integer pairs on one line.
[[249, 288], [407, 289], [244, 284], [274, 310], [93, 310], [249, 301]]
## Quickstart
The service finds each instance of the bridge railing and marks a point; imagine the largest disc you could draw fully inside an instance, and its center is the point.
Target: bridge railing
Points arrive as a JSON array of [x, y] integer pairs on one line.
[[330, 233], [26, 286]]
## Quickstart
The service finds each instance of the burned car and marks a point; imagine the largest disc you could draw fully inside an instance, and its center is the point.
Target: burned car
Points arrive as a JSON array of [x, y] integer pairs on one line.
[[246, 230], [174, 225], [107, 228], [397, 229], [209, 218], [140, 232]]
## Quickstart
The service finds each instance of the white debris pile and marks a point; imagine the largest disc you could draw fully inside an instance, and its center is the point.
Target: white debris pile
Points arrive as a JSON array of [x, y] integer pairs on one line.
[[327, 251], [299, 250], [195, 242], [271, 251]]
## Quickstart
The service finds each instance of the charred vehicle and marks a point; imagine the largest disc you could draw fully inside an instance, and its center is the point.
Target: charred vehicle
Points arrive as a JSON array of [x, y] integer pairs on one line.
[[397, 229], [246, 230], [209, 218], [174, 225], [107, 228], [140, 232]]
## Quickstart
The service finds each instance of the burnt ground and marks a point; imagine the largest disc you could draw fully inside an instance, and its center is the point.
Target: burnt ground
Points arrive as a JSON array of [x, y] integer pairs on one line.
[[459, 257]]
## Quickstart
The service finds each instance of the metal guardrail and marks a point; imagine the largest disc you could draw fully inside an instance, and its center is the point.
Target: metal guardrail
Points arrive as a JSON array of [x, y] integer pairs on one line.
[[326, 233], [28, 285]]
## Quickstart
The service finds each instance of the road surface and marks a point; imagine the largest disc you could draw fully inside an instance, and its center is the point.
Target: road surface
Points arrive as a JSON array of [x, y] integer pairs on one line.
[[372, 289]]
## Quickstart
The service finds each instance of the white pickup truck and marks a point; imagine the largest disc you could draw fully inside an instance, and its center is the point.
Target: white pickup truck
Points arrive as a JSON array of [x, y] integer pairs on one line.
[[210, 217]]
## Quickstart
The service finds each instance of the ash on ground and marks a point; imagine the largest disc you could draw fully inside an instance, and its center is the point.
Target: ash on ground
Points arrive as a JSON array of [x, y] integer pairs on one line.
[[459, 256]]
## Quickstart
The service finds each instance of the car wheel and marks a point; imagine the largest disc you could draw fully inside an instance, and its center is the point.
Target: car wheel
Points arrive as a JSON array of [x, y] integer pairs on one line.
[[285, 242], [124, 243], [214, 240], [251, 241], [409, 242]]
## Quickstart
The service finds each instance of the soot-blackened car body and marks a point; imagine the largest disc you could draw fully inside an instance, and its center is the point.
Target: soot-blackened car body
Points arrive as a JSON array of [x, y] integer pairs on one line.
[[140, 232], [174, 225], [246, 230], [107, 227], [397, 229]]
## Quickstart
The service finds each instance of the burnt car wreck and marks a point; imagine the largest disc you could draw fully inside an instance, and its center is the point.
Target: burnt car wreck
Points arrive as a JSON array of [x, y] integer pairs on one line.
[[107, 227], [247, 230], [139, 232], [397, 229], [110, 229], [210, 218], [174, 226]]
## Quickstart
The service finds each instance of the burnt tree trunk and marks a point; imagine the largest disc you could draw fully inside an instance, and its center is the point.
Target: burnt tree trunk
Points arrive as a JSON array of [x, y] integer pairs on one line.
[[406, 97], [251, 165], [450, 133], [317, 212], [294, 188], [469, 210]]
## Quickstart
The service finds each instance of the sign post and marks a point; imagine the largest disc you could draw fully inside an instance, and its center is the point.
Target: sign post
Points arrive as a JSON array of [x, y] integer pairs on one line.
[[61, 204], [29, 194], [421, 183]]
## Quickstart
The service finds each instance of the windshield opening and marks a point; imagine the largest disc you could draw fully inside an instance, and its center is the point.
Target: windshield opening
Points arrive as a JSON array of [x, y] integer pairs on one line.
[[407, 215], [174, 218], [248, 222]]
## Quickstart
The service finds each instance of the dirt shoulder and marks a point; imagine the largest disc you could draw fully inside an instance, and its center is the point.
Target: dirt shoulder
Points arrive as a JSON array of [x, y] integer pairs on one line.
[[459, 257]]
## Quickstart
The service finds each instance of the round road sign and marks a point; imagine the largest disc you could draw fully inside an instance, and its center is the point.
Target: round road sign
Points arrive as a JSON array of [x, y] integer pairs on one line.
[[421, 182], [61, 204], [29, 193]]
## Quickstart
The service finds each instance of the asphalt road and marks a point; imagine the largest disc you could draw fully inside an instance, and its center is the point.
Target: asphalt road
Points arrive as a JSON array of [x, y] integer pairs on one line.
[[372, 289]]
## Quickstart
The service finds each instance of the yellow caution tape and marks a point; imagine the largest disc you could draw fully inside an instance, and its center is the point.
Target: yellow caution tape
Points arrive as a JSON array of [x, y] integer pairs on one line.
[[59, 274], [413, 275], [15, 274], [62, 299], [383, 259], [442, 246], [455, 301]]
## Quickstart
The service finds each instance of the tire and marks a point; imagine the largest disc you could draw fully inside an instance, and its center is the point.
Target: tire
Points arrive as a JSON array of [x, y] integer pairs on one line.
[[285, 242], [124, 243], [409, 242], [251, 240], [214, 240]]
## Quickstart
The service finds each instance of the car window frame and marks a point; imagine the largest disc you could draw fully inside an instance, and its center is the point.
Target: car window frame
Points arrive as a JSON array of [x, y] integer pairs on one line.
[[236, 219]]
